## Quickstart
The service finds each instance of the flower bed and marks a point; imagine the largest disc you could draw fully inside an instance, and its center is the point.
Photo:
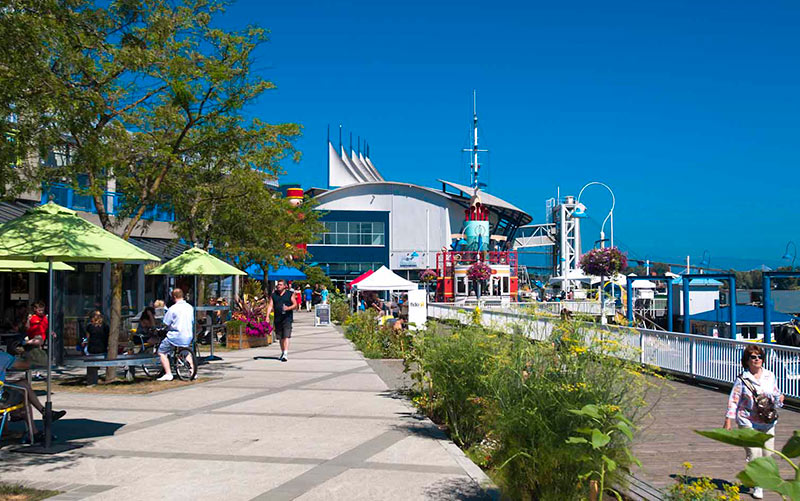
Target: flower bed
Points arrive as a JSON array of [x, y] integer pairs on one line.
[[521, 410]]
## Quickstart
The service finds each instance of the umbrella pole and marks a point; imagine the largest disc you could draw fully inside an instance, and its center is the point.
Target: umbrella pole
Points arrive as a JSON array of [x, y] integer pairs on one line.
[[48, 406]]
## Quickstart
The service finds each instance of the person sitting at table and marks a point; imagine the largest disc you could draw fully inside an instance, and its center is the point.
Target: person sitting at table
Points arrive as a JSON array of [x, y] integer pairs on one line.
[[96, 342], [8, 361]]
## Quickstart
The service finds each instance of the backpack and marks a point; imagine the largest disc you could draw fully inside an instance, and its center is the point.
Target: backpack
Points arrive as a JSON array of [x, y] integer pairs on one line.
[[765, 405]]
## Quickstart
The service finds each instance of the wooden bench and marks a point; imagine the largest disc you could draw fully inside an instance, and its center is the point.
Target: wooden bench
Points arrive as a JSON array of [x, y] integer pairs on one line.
[[94, 362]]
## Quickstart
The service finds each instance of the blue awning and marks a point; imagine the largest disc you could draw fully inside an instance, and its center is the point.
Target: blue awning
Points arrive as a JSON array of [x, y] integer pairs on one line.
[[282, 273]]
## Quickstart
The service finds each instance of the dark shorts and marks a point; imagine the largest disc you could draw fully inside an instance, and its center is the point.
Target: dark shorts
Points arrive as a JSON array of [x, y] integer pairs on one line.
[[283, 330]]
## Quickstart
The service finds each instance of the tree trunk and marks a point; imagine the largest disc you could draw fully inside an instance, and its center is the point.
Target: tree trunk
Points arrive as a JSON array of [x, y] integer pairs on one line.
[[115, 317]]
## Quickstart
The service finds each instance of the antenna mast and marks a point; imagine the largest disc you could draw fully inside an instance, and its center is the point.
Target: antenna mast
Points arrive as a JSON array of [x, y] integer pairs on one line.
[[475, 166]]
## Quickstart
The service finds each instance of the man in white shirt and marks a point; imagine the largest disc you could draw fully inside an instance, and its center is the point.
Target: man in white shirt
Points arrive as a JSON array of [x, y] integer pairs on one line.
[[179, 319]]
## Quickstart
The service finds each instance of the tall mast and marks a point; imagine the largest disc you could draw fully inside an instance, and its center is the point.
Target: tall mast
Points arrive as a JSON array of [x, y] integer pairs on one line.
[[475, 165]]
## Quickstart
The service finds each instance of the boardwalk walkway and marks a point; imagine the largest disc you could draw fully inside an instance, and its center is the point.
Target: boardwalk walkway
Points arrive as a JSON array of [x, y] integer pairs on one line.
[[321, 426], [667, 439]]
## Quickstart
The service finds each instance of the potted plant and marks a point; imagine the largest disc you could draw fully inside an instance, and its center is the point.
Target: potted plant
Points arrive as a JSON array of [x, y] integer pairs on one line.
[[606, 262], [249, 326], [479, 273]]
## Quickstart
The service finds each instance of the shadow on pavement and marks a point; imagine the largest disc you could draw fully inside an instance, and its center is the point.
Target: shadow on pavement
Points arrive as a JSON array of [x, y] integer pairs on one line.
[[64, 429], [266, 358], [456, 489]]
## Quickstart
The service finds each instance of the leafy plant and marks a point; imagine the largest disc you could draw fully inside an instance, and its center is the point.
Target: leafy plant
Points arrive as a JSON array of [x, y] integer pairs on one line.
[[605, 421], [763, 472], [251, 311], [373, 340], [687, 488], [507, 399], [340, 308]]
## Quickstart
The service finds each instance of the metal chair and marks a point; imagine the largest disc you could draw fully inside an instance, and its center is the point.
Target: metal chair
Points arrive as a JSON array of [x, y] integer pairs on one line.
[[11, 404]]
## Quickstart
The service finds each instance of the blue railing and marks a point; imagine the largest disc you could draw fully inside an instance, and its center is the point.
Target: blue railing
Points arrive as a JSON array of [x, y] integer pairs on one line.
[[66, 196]]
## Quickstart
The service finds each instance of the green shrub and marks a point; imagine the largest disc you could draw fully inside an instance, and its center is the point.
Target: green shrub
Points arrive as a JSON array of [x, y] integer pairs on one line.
[[451, 375], [340, 308], [373, 340], [511, 401]]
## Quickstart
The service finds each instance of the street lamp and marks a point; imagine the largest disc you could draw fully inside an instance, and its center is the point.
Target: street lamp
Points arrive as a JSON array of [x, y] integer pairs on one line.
[[705, 261], [791, 256], [610, 215]]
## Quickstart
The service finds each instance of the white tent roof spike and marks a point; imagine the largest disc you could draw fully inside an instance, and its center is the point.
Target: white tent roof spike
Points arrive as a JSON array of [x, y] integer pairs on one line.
[[354, 158], [361, 178], [372, 166], [385, 279], [339, 173]]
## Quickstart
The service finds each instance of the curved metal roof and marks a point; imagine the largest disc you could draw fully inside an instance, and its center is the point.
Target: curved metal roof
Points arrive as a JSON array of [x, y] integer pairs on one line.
[[486, 198], [499, 205]]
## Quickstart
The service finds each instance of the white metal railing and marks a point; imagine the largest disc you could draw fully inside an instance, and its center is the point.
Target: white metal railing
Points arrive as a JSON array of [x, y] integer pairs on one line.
[[709, 358], [555, 307]]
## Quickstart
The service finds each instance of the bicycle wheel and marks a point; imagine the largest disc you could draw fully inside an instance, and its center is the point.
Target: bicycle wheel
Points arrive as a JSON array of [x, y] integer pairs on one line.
[[185, 364]]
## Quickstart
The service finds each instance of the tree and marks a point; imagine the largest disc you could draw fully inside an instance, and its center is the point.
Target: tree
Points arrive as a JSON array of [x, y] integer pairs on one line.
[[133, 88], [315, 276]]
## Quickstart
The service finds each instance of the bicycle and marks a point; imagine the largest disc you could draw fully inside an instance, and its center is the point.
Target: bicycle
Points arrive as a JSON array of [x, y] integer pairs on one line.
[[179, 358]]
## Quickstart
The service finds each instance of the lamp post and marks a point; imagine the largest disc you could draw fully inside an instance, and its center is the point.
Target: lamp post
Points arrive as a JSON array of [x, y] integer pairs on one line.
[[610, 215], [705, 261], [791, 256]]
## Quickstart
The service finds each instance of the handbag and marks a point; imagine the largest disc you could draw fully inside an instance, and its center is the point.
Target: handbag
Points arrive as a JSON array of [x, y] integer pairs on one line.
[[765, 404]]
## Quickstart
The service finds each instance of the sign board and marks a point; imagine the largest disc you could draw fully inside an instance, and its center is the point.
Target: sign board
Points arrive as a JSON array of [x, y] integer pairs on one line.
[[322, 315], [417, 309]]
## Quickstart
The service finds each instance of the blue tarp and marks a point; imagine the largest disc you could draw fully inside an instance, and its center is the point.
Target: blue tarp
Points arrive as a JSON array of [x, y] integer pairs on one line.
[[282, 273], [745, 314]]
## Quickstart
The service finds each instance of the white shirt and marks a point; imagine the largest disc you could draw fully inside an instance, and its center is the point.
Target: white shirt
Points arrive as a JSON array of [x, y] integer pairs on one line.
[[180, 320]]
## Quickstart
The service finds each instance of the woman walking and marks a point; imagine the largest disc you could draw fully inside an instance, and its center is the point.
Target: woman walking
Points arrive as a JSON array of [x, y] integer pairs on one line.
[[747, 406]]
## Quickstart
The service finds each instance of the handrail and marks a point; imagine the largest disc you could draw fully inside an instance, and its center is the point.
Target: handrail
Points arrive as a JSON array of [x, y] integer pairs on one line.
[[694, 355]]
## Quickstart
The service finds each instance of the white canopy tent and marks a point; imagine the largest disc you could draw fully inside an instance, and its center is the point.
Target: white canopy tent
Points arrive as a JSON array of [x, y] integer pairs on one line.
[[575, 275], [386, 280]]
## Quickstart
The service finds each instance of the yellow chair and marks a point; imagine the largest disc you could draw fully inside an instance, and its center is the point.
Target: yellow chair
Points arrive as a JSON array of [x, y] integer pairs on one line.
[[11, 404]]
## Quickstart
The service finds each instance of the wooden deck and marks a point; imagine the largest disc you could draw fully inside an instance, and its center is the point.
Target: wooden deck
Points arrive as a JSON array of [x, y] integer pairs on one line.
[[666, 439]]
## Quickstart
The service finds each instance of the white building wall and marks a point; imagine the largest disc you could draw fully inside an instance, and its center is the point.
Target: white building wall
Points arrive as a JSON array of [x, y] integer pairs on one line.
[[420, 221], [700, 299]]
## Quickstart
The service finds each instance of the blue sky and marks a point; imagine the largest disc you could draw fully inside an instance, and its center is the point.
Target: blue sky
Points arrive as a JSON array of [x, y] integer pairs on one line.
[[688, 110]]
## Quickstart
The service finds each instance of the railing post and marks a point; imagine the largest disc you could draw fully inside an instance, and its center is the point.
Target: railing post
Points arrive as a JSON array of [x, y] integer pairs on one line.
[[692, 356], [669, 306], [767, 308], [629, 292], [687, 323], [732, 285], [641, 347]]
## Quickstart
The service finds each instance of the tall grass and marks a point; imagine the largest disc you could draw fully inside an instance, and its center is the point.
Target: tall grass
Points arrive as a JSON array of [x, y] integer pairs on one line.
[[508, 400], [374, 340]]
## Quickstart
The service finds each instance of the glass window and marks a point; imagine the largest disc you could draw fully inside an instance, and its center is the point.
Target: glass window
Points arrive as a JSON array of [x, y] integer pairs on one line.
[[378, 228], [354, 227], [461, 284], [377, 239]]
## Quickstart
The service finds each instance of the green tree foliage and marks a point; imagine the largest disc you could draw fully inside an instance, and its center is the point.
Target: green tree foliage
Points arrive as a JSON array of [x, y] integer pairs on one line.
[[317, 276], [137, 91]]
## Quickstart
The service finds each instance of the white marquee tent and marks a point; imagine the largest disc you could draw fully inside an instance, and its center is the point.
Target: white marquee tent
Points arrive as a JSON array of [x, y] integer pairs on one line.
[[386, 280]]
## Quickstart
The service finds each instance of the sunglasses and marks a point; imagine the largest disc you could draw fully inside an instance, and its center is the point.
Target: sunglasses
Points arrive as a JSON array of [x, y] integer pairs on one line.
[[756, 357]]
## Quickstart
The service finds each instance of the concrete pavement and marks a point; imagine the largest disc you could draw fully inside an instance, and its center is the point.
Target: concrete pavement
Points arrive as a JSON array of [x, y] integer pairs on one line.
[[323, 426]]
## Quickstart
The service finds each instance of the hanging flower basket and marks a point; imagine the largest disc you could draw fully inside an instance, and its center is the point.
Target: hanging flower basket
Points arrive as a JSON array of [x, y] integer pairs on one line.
[[479, 272], [606, 262], [427, 276]]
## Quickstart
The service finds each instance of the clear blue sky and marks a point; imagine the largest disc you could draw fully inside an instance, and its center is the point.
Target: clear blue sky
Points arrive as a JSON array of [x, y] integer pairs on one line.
[[688, 110]]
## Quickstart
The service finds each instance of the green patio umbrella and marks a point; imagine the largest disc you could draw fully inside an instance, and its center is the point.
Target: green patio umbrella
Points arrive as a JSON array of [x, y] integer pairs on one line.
[[53, 233], [20, 265], [197, 262]]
